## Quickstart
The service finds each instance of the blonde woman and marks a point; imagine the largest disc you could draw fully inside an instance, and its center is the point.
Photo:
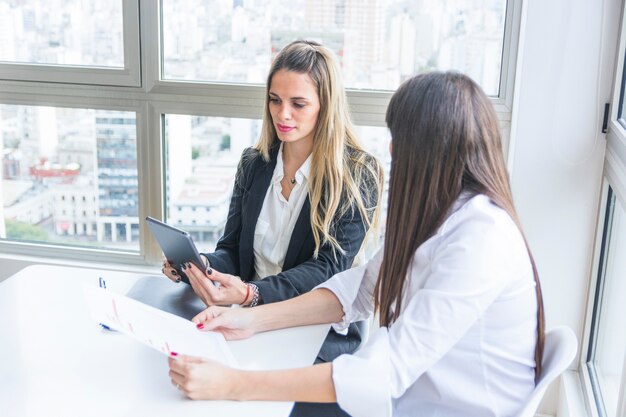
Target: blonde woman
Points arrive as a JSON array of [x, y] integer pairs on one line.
[[304, 196]]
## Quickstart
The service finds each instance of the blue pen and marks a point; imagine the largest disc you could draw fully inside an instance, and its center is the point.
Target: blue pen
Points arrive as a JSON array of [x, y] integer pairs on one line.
[[104, 285]]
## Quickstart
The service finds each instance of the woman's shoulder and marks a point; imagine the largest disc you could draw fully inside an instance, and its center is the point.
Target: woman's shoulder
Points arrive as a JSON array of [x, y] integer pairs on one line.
[[253, 154], [358, 156], [479, 216], [250, 158], [250, 154], [364, 165]]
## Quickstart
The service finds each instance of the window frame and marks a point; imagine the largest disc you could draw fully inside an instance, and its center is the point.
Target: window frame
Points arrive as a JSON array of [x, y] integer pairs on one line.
[[155, 97], [130, 75], [614, 178]]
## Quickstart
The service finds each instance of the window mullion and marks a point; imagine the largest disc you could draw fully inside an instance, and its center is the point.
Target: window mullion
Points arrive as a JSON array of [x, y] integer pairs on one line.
[[132, 65], [151, 176], [150, 22]]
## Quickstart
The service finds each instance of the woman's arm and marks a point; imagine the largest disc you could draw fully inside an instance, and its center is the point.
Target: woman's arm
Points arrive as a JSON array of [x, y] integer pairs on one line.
[[201, 379], [315, 307], [204, 379]]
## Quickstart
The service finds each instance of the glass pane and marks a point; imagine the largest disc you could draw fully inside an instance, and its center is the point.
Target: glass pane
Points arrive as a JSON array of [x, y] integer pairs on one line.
[[64, 32], [610, 342], [376, 141], [201, 159], [69, 176], [380, 43], [202, 154], [622, 100]]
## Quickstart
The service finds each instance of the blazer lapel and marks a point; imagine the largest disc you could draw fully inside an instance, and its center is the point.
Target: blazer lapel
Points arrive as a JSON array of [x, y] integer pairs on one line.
[[300, 233], [262, 176]]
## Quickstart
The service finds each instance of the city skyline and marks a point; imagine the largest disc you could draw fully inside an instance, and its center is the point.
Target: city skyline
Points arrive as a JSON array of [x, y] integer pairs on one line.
[[71, 174]]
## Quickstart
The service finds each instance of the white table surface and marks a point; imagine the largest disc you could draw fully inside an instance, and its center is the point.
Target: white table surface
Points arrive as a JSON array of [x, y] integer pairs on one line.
[[56, 361]]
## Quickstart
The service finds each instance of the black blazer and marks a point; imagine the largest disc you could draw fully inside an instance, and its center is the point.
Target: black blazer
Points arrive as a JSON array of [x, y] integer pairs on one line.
[[301, 272]]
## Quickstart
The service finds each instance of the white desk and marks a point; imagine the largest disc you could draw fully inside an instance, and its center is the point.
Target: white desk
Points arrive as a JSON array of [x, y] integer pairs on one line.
[[56, 361]]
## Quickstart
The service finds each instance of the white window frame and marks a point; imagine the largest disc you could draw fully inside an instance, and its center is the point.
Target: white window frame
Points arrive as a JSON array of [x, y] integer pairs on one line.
[[130, 75], [614, 174], [156, 97]]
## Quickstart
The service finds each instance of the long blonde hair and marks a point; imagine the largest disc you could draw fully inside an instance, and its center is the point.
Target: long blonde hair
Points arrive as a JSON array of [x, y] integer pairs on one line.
[[343, 176]]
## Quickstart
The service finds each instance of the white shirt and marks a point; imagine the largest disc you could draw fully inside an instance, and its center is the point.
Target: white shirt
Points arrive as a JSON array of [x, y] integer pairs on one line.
[[464, 343], [278, 218]]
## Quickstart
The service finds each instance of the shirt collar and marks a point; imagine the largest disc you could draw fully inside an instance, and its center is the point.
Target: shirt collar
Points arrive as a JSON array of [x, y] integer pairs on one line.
[[301, 174]]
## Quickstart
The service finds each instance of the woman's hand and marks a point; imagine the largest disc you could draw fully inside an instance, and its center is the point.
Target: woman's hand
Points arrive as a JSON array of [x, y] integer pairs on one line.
[[201, 379], [170, 272], [232, 290], [233, 323]]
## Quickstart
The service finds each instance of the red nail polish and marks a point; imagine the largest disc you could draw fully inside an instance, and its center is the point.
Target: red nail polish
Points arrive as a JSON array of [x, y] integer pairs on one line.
[[200, 326], [173, 353]]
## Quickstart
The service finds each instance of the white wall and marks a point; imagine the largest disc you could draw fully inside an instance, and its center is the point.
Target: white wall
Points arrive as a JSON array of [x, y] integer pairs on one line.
[[564, 77]]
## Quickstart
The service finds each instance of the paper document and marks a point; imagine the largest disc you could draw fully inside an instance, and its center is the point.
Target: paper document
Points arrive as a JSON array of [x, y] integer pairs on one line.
[[158, 329]]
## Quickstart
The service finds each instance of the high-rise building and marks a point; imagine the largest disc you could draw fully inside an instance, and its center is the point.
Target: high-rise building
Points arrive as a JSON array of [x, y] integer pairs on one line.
[[118, 197], [402, 44], [360, 24], [179, 153], [75, 208], [365, 23], [7, 33]]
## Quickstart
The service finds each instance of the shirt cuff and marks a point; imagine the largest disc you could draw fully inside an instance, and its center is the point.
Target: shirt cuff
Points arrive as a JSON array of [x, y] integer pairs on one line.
[[346, 291], [362, 380]]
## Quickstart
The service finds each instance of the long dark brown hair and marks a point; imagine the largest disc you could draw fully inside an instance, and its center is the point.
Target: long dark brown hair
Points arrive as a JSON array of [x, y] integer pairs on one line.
[[445, 140]]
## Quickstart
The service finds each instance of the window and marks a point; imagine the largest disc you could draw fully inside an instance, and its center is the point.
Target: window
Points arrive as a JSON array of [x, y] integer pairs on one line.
[[379, 43], [608, 345], [98, 159], [71, 32], [604, 372], [165, 141], [202, 154], [93, 42]]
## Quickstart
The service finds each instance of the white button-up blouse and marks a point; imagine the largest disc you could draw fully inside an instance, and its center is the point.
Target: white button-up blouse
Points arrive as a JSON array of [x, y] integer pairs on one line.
[[278, 218], [465, 340]]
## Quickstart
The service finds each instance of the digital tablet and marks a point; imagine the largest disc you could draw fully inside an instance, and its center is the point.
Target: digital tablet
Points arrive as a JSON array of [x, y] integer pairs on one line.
[[176, 244]]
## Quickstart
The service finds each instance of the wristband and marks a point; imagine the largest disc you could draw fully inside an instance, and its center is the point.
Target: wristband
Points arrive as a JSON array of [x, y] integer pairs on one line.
[[243, 303], [255, 295]]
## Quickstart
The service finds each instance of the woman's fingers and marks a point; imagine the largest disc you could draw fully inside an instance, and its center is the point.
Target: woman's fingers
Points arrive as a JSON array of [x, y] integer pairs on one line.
[[209, 314], [231, 290], [234, 290], [211, 318], [216, 294], [223, 279], [198, 378], [196, 281], [170, 272], [232, 323], [180, 371]]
